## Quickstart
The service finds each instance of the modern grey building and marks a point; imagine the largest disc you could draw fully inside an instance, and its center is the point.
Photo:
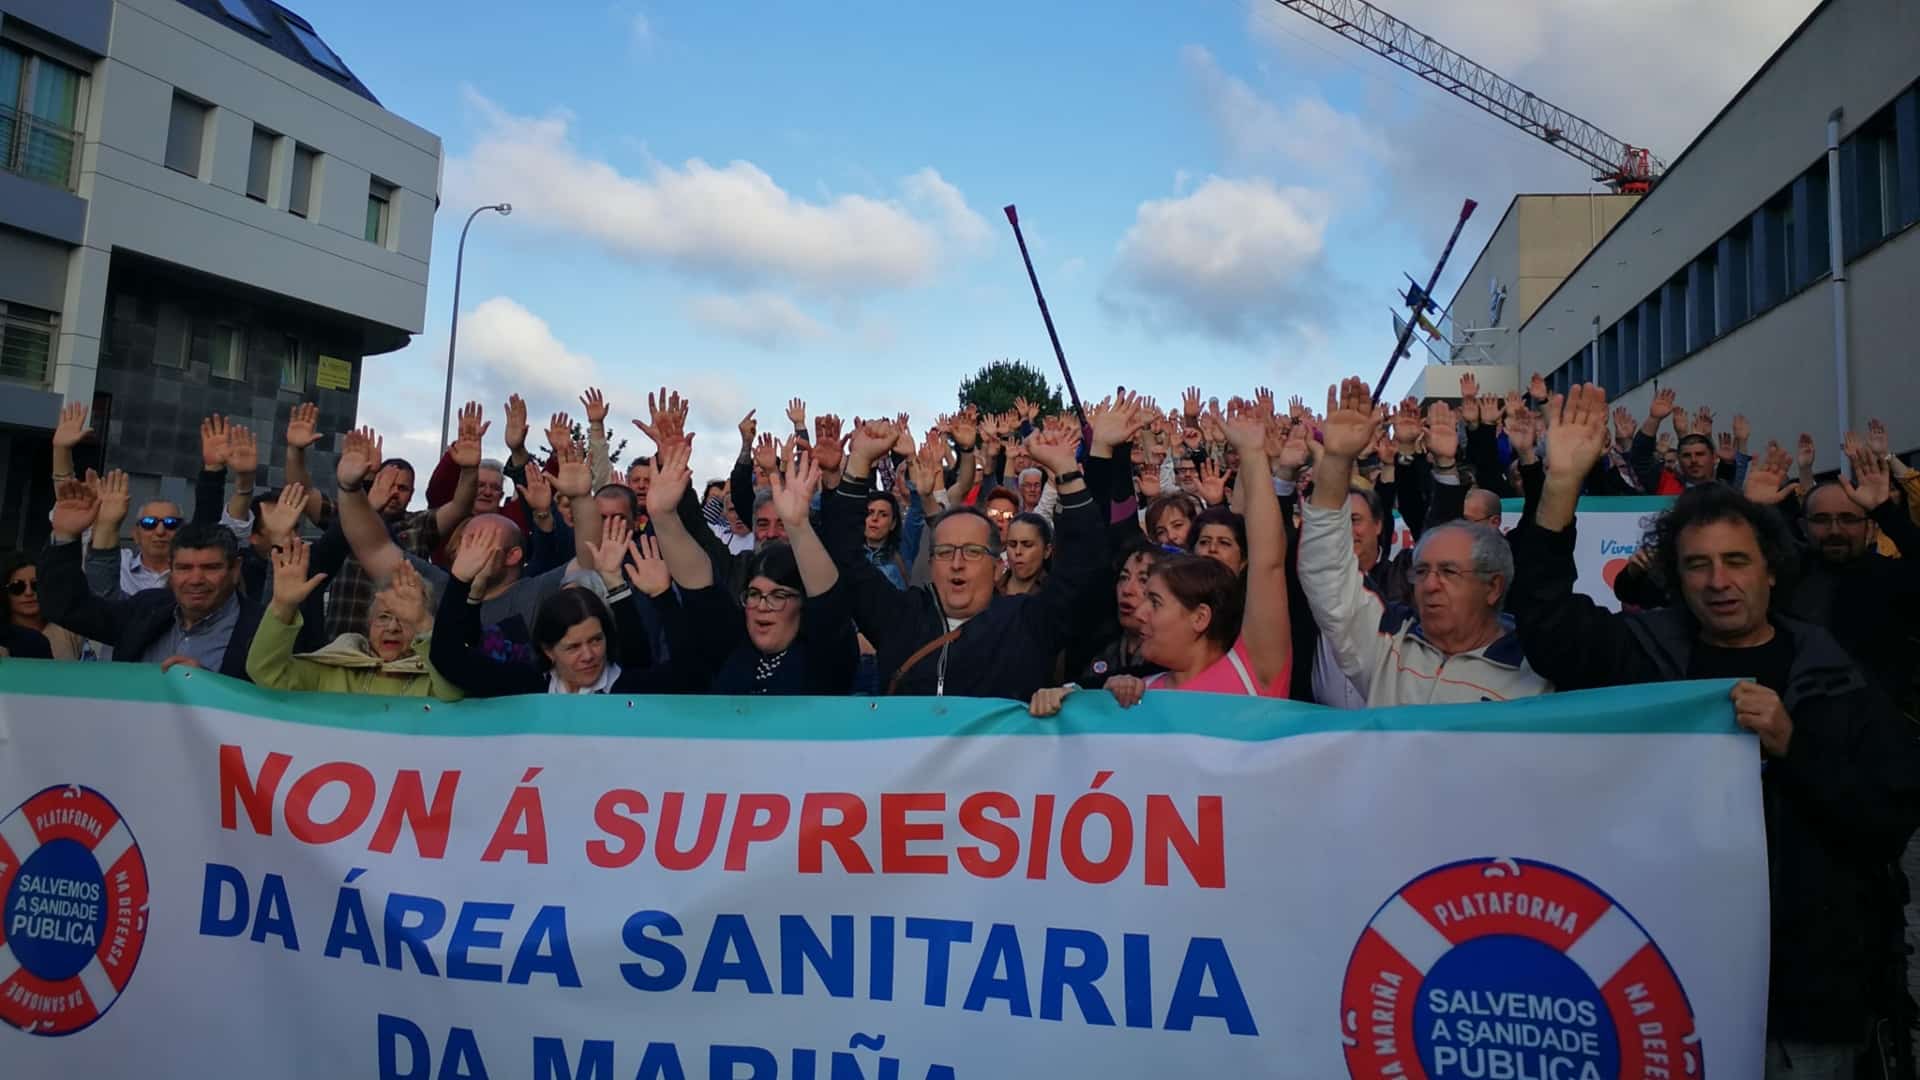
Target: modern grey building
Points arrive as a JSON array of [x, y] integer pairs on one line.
[[202, 210], [1721, 283]]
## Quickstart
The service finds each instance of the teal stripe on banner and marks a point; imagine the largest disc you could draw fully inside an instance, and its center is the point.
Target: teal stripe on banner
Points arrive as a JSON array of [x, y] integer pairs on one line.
[[1604, 504], [35, 686]]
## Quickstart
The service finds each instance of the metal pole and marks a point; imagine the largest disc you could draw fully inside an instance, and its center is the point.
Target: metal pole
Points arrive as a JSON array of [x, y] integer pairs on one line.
[[1013, 219], [453, 331], [1837, 261], [1406, 334]]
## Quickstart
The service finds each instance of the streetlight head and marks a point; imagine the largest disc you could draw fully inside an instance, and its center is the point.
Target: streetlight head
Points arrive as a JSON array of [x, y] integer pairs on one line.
[[505, 209]]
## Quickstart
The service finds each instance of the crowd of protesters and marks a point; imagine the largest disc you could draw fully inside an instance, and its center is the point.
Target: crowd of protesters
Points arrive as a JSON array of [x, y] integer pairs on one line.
[[1245, 548]]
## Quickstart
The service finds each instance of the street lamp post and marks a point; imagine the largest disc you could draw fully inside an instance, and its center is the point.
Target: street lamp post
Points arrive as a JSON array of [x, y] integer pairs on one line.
[[453, 331]]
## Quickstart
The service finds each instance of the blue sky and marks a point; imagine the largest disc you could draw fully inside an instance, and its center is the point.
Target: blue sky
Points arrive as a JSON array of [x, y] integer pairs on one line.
[[750, 202]]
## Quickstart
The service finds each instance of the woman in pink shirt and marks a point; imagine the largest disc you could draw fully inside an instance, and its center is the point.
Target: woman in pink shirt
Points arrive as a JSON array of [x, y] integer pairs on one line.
[[1214, 630]]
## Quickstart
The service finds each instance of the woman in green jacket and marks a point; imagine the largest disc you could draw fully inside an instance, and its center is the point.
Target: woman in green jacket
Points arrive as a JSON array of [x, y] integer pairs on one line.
[[390, 658]]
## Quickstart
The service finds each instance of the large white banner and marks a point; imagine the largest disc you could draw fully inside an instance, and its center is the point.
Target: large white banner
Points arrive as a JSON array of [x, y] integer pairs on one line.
[[202, 879]]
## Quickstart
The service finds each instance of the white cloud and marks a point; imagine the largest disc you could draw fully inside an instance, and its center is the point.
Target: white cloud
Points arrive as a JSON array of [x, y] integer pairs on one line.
[[765, 319], [1236, 260], [733, 222], [1307, 134], [520, 350]]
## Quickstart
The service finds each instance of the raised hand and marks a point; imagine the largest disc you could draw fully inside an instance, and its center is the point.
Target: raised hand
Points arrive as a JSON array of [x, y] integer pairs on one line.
[[766, 454], [668, 416], [925, 468], [748, 426], [574, 478], [829, 451], [1742, 431], [114, 500], [1469, 387], [1624, 425], [1190, 405], [1805, 455], [965, 428], [560, 431], [1213, 483], [797, 413], [213, 442], [1053, 446], [1876, 436], [406, 594], [1725, 450], [872, 440], [1767, 478], [359, 453], [1116, 422], [243, 450], [1298, 449], [1490, 409], [478, 546], [611, 551], [1443, 433], [1407, 425], [794, 484], [279, 519], [72, 427], [671, 477], [596, 405], [1662, 404], [291, 585], [1246, 426], [1872, 484], [1521, 433], [75, 502], [1703, 422], [385, 482], [469, 438], [646, 567], [1537, 387], [1576, 432], [538, 490], [303, 426], [1353, 420], [516, 424]]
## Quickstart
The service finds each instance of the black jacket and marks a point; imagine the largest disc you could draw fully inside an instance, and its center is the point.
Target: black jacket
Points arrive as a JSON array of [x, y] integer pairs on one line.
[[1839, 806], [1006, 651], [1868, 604], [131, 624]]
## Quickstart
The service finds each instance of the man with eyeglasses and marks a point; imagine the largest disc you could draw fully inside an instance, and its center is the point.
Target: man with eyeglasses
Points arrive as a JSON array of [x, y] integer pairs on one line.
[[197, 619], [1865, 599], [1451, 643], [957, 635]]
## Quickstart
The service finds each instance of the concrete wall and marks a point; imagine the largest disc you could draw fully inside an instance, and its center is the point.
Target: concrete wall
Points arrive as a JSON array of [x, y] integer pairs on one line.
[[1857, 55], [206, 223]]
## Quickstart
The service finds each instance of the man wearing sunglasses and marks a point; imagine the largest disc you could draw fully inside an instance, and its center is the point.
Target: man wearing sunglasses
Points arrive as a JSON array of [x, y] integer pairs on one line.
[[196, 619], [146, 564]]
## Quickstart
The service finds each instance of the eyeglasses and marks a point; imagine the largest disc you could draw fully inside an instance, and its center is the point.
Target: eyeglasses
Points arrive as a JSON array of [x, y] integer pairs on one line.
[[776, 600], [968, 552], [150, 522], [1845, 521], [1448, 572], [22, 588]]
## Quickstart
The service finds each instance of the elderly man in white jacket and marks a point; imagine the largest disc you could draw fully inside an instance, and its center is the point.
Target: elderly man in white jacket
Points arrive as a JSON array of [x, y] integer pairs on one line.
[[1455, 645]]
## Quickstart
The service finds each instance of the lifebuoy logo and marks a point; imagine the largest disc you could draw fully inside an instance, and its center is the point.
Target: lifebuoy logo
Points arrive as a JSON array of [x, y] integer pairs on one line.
[[73, 910], [1512, 969]]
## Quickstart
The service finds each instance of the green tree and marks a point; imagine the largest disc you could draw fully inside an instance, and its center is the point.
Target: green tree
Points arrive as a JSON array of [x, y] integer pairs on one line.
[[993, 389]]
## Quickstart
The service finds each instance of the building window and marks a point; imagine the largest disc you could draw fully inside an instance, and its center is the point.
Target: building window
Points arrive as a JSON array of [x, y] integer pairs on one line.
[[260, 163], [1629, 331], [1701, 327], [227, 358], [1738, 268], [1876, 203], [239, 11], [27, 336], [293, 372], [379, 210], [1812, 225], [1652, 357], [41, 102], [1607, 371], [186, 130], [310, 41], [304, 160]]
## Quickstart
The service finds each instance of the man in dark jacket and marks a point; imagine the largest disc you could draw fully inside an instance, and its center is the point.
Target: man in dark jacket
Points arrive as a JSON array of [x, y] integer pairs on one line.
[[198, 618], [1840, 779], [958, 636]]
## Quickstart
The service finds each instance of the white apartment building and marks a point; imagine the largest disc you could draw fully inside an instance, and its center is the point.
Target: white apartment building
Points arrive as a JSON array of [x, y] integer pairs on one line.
[[202, 210]]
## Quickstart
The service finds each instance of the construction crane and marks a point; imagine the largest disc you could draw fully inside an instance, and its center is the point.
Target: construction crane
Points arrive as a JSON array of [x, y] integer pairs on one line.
[[1625, 168]]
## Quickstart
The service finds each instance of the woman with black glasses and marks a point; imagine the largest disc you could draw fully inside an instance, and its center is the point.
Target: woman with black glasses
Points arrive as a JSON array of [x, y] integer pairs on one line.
[[23, 610], [795, 634]]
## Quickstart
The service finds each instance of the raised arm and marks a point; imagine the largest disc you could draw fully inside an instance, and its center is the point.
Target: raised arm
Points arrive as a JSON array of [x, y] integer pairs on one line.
[[793, 488], [243, 462], [465, 453], [360, 523], [672, 479], [302, 432], [1348, 614], [68, 434], [65, 599], [1266, 629], [211, 485]]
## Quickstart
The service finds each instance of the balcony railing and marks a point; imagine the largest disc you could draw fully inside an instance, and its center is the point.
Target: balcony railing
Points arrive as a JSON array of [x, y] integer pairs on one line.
[[33, 148], [26, 350]]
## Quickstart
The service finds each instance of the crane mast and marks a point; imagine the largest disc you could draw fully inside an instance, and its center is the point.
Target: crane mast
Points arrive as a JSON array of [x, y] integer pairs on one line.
[[1620, 165]]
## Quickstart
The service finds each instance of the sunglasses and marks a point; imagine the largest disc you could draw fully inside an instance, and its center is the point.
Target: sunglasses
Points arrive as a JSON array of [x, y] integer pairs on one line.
[[22, 588], [150, 522]]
